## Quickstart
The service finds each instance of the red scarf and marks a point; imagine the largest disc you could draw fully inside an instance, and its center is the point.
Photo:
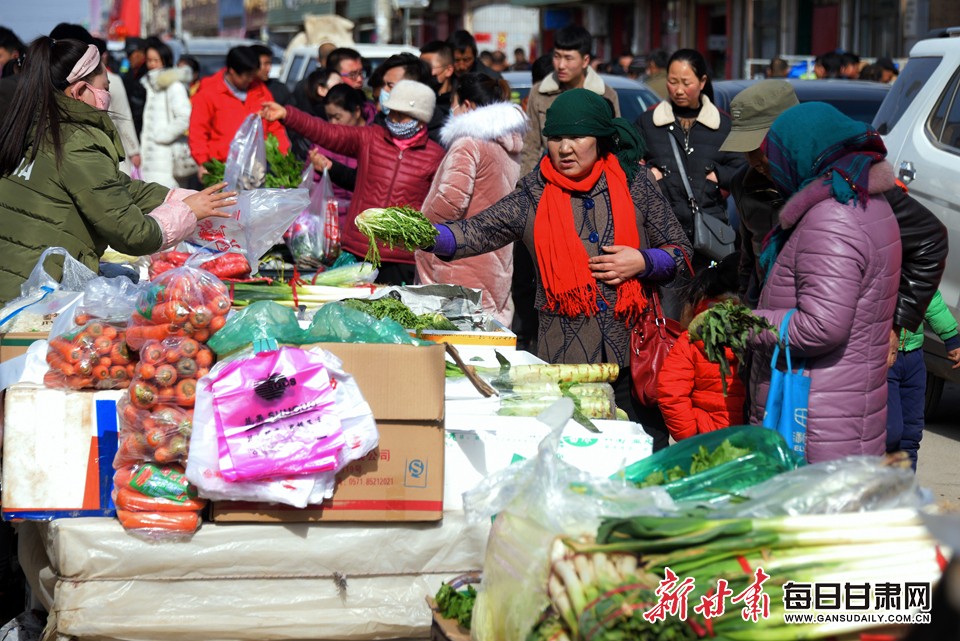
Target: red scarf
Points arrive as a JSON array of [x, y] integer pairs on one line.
[[569, 284]]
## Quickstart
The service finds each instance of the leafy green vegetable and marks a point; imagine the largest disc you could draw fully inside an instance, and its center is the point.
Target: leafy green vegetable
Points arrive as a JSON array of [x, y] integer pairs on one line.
[[390, 307], [285, 170], [395, 226], [456, 604], [727, 324], [701, 461], [215, 170]]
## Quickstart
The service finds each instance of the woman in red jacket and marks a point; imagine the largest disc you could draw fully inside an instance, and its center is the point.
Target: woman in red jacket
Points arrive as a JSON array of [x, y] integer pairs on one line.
[[689, 389], [395, 165]]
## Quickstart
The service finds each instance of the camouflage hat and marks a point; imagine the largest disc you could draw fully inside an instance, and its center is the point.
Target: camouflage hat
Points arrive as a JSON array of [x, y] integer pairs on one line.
[[753, 110]]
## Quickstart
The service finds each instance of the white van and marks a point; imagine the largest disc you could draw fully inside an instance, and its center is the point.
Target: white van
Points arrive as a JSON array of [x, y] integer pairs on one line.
[[298, 62], [920, 124]]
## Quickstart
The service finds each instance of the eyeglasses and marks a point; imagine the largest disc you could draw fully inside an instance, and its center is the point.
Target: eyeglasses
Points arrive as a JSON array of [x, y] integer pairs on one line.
[[354, 74]]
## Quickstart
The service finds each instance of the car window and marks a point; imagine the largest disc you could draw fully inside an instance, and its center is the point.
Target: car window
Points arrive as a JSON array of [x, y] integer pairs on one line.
[[904, 90], [862, 110], [944, 122], [294, 73]]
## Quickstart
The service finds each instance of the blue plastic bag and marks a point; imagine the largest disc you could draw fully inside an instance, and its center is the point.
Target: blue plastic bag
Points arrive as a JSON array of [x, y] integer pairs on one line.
[[788, 397]]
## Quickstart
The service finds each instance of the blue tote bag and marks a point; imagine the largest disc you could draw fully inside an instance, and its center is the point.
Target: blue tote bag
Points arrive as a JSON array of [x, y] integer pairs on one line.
[[788, 397]]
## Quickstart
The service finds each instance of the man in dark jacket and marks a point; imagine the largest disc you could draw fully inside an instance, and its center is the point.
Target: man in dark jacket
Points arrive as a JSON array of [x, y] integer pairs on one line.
[[276, 88], [465, 56], [922, 236]]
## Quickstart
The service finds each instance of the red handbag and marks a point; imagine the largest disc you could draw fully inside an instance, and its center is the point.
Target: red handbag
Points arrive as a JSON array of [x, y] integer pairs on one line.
[[651, 340]]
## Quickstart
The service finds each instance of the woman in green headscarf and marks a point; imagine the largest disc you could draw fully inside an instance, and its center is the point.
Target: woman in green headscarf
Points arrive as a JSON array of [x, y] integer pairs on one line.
[[595, 224]]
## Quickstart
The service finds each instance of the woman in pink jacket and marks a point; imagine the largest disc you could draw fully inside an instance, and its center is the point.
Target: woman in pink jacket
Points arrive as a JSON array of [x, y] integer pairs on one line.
[[484, 137], [835, 258]]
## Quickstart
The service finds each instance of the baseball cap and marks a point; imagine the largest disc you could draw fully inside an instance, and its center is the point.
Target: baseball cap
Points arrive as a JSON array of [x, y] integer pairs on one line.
[[753, 110]]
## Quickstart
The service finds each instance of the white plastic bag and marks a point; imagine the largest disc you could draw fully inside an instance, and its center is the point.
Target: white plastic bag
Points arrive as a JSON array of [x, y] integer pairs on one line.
[[315, 234], [263, 216], [246, 166], [203, 467], [42, 294]]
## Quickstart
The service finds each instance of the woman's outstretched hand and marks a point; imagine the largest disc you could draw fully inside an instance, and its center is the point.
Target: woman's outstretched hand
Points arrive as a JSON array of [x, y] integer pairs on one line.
[[210, 201], [271, 112], [619, 263]]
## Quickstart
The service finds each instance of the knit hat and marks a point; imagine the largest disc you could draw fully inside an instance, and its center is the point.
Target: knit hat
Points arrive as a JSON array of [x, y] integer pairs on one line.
[[412, 98], [580, 112], [753, 110]]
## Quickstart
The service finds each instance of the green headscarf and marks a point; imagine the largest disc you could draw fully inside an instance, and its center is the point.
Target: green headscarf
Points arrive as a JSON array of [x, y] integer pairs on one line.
[[580, 112]]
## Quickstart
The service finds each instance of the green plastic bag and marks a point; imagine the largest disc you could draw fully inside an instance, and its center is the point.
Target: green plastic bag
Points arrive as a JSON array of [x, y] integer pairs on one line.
[[769, 455], [334, 323], [260, 320]]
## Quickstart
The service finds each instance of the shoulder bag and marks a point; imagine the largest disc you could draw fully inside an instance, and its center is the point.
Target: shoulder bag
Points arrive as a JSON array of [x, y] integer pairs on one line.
[[184, 165], [788, 398], [711, 236], [651, 340]]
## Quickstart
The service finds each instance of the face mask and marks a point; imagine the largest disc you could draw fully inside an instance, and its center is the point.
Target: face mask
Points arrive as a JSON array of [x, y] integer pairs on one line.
[[384, 97], [101, 97], [403, 130]]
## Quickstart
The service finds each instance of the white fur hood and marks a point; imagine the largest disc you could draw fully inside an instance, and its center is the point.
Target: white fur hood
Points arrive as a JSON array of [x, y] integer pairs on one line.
[[161, 79], [500, 122]]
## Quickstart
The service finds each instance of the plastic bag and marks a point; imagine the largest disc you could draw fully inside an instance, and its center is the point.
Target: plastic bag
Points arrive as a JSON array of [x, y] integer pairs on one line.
[[246, 166], [183, 302], [535, 501], [275, 416], [229, 264], [767, 456], [203, 464], [315, 234], [850, 484], [334, 323], [40, 285], [156, 502], [260, 320]]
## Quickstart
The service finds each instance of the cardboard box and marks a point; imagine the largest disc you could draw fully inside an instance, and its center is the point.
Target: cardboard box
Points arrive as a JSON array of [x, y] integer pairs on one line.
[[58, 452], [401, 480], [16, 343]]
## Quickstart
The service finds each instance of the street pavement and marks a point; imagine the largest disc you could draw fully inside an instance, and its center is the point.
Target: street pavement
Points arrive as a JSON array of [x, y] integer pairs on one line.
[[939, 462]]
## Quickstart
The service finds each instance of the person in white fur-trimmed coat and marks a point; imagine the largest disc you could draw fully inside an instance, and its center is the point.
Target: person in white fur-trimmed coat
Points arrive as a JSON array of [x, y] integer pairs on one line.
[[484, 138], [166, 114]]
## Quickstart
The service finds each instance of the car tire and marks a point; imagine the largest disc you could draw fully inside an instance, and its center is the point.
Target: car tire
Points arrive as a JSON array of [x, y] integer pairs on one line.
[[932, 396]]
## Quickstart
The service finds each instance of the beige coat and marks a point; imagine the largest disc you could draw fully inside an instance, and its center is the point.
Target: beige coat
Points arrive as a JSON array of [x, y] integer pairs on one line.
[[482, 166], [542, 96]]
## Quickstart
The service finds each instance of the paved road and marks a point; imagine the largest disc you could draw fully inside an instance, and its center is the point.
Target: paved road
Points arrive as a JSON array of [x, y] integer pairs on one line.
[[939, 463]]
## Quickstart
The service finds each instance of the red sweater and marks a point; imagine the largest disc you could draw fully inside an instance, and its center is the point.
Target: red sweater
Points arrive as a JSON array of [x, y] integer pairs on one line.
[[217, 115], [386, 174], [690, 393]]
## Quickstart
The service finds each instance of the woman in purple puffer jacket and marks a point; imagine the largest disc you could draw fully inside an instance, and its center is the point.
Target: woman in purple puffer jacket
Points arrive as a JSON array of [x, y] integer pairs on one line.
[[835, 258]]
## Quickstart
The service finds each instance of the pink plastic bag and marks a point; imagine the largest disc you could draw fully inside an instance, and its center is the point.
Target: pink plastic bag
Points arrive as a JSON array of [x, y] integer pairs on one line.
[[275, 416]]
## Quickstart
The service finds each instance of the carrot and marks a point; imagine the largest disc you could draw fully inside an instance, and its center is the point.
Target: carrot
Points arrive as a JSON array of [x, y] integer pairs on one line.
[[217, 323], [201, 372], [129, 414], [156, 437], [164, 455], [172, 355], [200, 317], [201, 335], [94, 329], [131, 370], [186, 368], [134, 501], [137, 335], [184, 522], [146, 370], [103, 345], [119, 373], [110, 331], [82, 319], [171, 312], [186, 392], [204, 358], [101, 373], [53, 379], [67, 350], [143, 395], [57, 363], [189, 347], [220, 305], [166, 375], [166, 396], [79, 382], [119, 354], [105, 361]]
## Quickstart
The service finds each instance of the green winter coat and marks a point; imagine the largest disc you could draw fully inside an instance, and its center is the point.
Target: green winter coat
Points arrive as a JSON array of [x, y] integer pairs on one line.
[[940, 320], [83, 205]]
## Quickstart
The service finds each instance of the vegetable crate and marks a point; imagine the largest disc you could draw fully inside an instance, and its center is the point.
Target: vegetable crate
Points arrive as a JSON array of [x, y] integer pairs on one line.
[[494, 334]]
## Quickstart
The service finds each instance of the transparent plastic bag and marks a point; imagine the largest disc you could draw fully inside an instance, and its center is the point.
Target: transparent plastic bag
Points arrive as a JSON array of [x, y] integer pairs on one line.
[[766, 455], [534, 502], [246, 166], [850, 484], [182, 302], [93, 355], [315, 234], [298, 490], [156, 502], [40, 286]]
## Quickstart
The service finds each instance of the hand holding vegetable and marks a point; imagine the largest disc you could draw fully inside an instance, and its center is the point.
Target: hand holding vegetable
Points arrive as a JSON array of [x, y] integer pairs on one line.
[[210, 201], [617, 264], [271, 112]]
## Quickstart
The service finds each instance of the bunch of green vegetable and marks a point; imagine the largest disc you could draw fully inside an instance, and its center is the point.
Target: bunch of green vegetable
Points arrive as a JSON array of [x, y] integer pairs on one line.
[[284, 170], [456, 604], [702, 460], [396, 226], [727, 324], [394, 308], [593, 602]]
